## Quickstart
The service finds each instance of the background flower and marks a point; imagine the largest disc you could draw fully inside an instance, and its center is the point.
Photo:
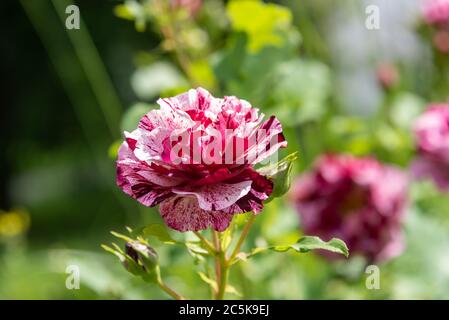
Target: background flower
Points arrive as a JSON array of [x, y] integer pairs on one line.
[[432, 139], [436, 12], [192, 6], [196, 196], [357, 200]]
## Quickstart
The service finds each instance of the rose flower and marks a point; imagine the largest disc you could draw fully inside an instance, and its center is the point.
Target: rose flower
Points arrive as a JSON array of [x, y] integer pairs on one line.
[[194, 157], [358, 200], [432, 139], [436, 12]]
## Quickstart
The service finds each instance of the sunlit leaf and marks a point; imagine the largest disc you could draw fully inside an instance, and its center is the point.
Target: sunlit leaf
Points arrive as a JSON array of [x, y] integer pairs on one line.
[[113, 149], [280, 173], [211, 282], [303, 245], [262, 22], [308, 243], [232, 290], [134, 11], [202, 74]]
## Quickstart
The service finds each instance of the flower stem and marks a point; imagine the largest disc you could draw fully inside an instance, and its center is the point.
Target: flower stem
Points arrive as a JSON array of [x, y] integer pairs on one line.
[[218, 264], [222, 264], [221, 267], [170, 291], [242, 237], [223, 276], [167, 289]]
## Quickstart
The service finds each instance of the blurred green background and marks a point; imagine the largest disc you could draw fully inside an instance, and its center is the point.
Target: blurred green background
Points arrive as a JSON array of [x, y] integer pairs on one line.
[[68, 95]]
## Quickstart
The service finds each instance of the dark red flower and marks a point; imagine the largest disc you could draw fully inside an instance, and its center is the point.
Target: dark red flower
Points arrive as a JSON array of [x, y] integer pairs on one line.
[[358, 200]]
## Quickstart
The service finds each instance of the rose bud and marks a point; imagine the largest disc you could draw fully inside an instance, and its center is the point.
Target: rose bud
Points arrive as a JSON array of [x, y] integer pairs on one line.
[[358, 200], [387, 75], [141, 254]]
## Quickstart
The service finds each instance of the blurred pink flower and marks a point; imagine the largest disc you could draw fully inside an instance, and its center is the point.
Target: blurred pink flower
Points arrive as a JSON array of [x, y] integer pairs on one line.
[[436, 12], [192, 6], [387, 75], [358, 200], [432, 139], [196, 186], [441, 41]]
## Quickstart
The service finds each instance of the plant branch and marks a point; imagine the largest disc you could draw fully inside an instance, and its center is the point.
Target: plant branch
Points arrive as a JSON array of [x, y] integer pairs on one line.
[[218, 266], [167, 289], [242, 238], [223, 276]]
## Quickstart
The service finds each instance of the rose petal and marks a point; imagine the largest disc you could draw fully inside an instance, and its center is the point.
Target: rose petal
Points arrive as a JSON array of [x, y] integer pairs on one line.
[[217, 196], [184, 214]]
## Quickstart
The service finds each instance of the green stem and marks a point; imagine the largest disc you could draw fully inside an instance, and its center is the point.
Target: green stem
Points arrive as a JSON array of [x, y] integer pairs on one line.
[[167, 289], [242, 237], [223, 276], [218, 264], [222, 265], [170, 291]]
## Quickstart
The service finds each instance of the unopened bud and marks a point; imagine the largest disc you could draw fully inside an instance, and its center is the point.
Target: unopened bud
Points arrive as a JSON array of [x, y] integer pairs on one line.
[[142, 254], [387, 75]]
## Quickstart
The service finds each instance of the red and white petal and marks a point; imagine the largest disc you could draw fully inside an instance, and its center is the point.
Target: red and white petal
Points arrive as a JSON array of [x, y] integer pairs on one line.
[[167, 117], [217, 196], [265, 141], [184, 214]]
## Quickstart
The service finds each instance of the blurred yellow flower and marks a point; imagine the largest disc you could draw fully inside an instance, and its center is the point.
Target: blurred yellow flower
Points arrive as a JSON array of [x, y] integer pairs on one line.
[[14, 223]]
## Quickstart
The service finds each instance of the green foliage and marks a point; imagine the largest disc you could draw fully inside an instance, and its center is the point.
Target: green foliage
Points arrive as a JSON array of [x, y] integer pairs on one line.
[[280, 174], [303, 245], [138, 257], [309, 243], [134, 11], [264, 23], [300, 91]]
